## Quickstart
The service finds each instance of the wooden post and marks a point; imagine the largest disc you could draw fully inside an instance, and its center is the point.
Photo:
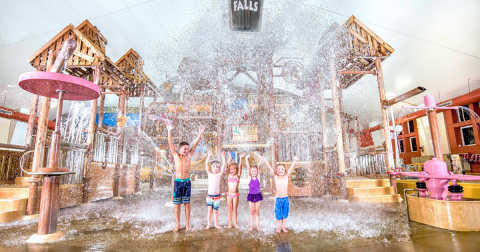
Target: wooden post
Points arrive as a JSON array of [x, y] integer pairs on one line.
[[338, 130], [47, 220], [437, 145], [90, 140], [271, 112], [118, 165], [324, 132], [139, 146], [32, 202], [386, 124], [101, 108], [30, 128]]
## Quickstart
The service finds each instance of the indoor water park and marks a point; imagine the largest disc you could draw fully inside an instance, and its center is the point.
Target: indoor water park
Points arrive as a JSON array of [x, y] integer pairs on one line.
[[239, 125]]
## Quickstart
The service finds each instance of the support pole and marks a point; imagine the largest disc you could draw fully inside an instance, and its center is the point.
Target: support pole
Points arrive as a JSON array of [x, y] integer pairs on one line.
[[48, 216], [271, 112], [90, 140], [386, 124], [338, 130], [101, 109], [30, 128], [139, 146], [437, 145], [118, 165], [323, 114], [32, 202]]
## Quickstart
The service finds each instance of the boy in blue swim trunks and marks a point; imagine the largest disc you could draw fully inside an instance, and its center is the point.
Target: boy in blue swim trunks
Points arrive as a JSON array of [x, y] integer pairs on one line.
[[282, 205], [181, 182]]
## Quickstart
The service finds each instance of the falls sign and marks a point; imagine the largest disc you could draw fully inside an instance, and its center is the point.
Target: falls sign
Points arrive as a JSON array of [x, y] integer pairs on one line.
[[246, 15]]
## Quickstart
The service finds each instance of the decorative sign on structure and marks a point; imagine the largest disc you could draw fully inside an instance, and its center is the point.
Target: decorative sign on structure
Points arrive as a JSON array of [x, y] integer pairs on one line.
[[245, 133], [246, 15]]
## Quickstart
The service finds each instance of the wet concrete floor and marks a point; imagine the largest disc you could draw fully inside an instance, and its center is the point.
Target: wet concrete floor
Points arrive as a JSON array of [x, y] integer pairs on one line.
[[144, 223]]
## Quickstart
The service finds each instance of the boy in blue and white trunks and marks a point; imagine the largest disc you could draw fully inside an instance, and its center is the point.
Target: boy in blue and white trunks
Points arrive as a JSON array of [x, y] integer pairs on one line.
[[213, 194], [181, 185], [282, 204]]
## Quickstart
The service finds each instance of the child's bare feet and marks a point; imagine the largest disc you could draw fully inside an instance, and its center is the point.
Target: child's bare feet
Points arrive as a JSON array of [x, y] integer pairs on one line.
[[236, 226], [258, 228], [207, 227], [229, 226], [285, 230], [176, 228], [279, 230], [251, 228], [218, 227], [188, 228]]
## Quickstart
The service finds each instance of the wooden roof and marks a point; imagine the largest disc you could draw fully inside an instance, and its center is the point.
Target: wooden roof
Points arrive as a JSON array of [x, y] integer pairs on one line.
[[358, 45]]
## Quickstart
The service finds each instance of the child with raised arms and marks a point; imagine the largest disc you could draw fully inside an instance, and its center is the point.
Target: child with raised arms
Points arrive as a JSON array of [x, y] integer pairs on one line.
[[254, 195], [232, 194], [282, 204], [213, 195]]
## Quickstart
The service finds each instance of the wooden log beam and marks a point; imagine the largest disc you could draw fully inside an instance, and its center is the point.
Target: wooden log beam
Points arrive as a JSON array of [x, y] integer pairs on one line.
[[357, 72], [65, 53], [404, 96]]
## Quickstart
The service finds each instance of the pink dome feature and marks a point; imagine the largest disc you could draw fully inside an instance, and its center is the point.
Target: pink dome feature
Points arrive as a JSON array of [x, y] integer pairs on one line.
[[437, 187]]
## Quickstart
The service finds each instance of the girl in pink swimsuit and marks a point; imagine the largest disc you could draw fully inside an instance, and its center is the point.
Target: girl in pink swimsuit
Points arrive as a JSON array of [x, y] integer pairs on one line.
[[234, 173]]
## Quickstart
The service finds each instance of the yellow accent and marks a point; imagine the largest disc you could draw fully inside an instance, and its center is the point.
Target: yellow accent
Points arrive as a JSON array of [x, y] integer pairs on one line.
[[470, 190]]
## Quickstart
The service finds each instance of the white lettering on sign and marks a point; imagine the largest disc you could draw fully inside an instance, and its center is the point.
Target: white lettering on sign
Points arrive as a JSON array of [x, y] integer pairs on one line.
[[3, 111], [247, 5]]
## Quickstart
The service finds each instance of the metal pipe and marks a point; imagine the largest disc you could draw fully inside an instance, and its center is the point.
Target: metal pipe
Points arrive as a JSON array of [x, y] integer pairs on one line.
[[404, 96]]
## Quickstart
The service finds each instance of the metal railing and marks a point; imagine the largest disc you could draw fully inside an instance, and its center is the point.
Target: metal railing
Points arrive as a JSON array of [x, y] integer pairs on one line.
[[368, 164]]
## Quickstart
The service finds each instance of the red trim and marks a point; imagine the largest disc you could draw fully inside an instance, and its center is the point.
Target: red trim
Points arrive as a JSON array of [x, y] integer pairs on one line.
[[23, 117]]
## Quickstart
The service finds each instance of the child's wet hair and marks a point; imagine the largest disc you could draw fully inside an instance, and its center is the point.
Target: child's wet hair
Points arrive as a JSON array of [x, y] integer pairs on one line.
[[279, 166], [253, 167], [214, 163], [235, 165]]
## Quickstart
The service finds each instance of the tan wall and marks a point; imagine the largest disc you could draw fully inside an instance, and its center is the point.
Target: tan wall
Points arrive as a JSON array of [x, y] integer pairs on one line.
[[101, 185]]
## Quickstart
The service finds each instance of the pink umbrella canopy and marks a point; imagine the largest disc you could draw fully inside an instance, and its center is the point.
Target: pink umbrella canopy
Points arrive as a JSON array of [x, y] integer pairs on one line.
[[48, 84]]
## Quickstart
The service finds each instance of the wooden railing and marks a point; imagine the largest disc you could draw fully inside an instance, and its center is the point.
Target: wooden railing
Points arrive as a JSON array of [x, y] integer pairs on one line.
[[368, 164], [10, 162]]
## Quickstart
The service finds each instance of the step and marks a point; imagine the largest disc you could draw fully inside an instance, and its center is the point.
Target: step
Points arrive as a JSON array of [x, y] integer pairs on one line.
[[8, 216], [367, 183], [377, 198], [22, 181], [369, 191], [13, 191], [13, 204]]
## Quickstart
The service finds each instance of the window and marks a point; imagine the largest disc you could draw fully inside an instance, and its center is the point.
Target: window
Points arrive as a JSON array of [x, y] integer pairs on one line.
[[463, 114], [413, 143], [411, 127], [467, 135], [400, 146]]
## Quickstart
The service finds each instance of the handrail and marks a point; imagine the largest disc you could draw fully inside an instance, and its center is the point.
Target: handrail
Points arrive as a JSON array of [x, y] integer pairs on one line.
[[13, 146]]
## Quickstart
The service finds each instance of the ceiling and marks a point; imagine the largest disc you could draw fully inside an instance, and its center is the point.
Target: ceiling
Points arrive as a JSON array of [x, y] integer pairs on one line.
[[437, 43]]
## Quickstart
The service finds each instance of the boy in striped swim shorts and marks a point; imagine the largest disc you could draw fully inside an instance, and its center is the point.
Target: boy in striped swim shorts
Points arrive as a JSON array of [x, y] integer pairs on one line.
[[213, 195]]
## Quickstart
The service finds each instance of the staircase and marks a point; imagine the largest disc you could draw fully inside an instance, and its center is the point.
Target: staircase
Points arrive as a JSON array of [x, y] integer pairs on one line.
[[13, 200], [371, 191]]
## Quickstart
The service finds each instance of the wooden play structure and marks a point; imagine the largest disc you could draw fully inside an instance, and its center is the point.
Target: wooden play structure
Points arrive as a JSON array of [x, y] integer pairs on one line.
[[103, 164], [257, 118]]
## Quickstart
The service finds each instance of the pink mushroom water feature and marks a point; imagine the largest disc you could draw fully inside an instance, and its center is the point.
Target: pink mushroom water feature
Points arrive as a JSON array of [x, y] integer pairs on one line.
[[63, 87], [434, 180]]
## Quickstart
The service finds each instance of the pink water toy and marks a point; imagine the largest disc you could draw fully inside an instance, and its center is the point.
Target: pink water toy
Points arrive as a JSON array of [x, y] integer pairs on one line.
[[436, 176], [160, 117]]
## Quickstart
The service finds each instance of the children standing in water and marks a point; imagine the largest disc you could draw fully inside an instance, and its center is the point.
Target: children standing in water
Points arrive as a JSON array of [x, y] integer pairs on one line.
[[282, 205], [181, 181], [232, 194], [213, 196], [254, 195]]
